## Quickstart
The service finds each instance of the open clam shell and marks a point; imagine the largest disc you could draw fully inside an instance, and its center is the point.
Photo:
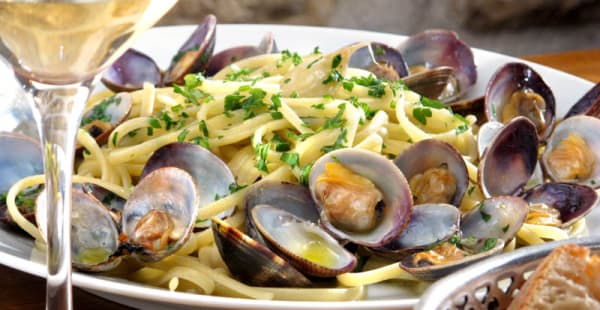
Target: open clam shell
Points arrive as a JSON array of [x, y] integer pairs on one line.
[[291, 197], [226, 57], [382, 60], [509, 162], [582, 153], [304, 244], [252, 262], [476, 251], [441, 48], [429, 224], [429, 154], [572, 201], [160, 213], [194, 54], [94, 233], [211, 175], [391, 219], [21, 156], [589, 104], [130, 72], [516, 89], [496, 217], [104, 117]]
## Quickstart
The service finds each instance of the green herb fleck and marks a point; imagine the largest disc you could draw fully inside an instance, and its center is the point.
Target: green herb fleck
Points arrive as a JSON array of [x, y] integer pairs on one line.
[[339, 142], [115, 137], [319, 106], [505, 228], [304, 174], [291, 158], [337, 59], [99, 111], [182, 135], [421, 114], [489, 244], [262, 150]]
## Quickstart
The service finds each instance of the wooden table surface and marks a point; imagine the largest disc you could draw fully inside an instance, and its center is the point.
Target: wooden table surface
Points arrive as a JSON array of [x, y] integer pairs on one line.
[[19, 290]]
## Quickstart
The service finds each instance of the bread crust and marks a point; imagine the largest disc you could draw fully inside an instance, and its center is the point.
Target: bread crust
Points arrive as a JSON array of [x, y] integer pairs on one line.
[[568, 278]]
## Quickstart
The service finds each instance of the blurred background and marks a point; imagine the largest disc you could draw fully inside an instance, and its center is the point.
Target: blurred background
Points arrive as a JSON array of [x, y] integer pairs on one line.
[[514, 27]]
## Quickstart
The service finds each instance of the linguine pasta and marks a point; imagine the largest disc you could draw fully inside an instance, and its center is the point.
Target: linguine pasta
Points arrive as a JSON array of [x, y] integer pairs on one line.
[[270, 117]]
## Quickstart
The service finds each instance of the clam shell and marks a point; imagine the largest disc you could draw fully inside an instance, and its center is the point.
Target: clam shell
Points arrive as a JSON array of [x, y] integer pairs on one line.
[[303, 244], [130, 72], [430, 153], [510, 160], [589, 104], [586, 127], [513, 77], [170, 190], [573, 201], [435, 272], [290, 197], [387, 178], [21, 156], [251, 262], [497, 217], [94, 233], [429, 224], [378, 55], [194, 54], [438, 48]]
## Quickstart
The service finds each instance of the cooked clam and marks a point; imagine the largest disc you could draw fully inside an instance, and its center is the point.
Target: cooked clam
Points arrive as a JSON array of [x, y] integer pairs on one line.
[[429, 224], [211, 175], [435, 172], [131, 71], [104, 117], [588, 104], [380, 59], [510, 160], [518, 90], [441, 48], [94, 233], [449, 257], [572, 152], [303, 244], [226, 57], [194, 54], [362, 197], [252, 262], [559, 204], [498, 217], [160, 213]]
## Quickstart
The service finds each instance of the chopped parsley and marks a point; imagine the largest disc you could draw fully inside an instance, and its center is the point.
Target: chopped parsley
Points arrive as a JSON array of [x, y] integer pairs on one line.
[[485, 216], [154, 123], [291, 158], [338, 144], [421, 114], [261, 151], [248, 104], [470, 190], [115, 137], [319, 106], [432, 103], [348, 85], [304, 174], [203, 128], [280, 144], [505, 228], [294, 94], [334, 76], [201, 141], [337, 121], [239, 74], [190, 91], [233, 187], [182, 135], [489, 244], [313, 62], [337, 59], [376, 86], [287, 55], [462, 127], [316, 50]]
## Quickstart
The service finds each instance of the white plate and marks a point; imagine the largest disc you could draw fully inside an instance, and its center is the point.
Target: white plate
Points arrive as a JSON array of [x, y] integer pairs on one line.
[[17, 251]]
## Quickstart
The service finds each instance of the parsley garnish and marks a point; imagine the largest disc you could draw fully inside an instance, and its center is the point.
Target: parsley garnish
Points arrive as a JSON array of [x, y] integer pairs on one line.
[[313, 62], [462, 127], [505, 228], [348, 85], [376, 86], [294, 94], [249, 104], [182, 135], [291, 158], [304, 174], [233, 187], [485, 216], [237, 74], [320, 106], [337, 59], [203, 128], [334, 76], [470, 191], [421, 114], [190, 91], [339, 142], [202, 141], [316, 50], [114, 138], [337, 121], [432, 103], [280, 144], [489, 244], [154, 123], [261, 151]]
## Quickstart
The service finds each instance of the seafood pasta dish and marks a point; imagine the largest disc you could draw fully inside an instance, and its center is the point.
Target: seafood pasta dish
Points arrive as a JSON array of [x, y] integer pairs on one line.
[[257, 172]]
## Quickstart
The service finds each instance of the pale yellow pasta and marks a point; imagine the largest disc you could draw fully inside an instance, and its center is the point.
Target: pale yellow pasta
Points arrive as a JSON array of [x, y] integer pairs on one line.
[[242, 130]]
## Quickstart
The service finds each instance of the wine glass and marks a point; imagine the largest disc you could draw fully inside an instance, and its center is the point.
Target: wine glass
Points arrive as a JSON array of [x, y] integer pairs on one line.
[[57, 50]]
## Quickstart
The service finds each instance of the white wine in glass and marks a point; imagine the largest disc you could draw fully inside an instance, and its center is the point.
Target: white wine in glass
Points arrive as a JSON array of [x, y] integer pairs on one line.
[[57, 50]]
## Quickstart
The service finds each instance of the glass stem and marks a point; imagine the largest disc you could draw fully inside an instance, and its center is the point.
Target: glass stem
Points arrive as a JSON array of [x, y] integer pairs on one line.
[[57, 110]]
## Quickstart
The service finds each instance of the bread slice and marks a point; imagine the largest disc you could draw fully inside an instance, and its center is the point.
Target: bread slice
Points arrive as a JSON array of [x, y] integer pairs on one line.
[[568, 278]]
